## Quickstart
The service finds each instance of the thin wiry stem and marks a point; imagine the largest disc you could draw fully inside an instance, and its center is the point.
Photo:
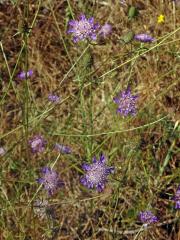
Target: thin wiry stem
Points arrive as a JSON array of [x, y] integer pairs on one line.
[[26, 66], [113, 132], [10, 75], [66, 75], [138, 230]]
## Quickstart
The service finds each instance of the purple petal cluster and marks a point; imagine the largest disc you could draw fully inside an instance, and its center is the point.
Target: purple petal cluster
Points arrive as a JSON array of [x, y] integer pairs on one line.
[[147, 217], [62, 148], [177, 198], [53, 98], [22, 75], [126, 103], [83, 28], [144, 38], [50, 180], [96, 174], [105, 30], [37, 144]]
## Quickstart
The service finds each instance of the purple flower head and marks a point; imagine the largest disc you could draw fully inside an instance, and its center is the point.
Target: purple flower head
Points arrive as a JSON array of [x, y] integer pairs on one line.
[[105, 30], [147, 217], [37, 144], [50, 180], [53, 98], [2, 151], [126, 103], [177, 198], [96, 174], [62, 148], [83, 28], [144, 38], [22, 75]]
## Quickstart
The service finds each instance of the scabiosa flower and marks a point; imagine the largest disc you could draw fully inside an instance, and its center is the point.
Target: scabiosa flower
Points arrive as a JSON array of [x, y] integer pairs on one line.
[[96, 173], [147, 217], [22, 75], [83, 28], [37, 144], [2, 151], [177, 198], [105, 30], [62, 148], [126, 103], [144, 38], [50, 180], [53, 98]]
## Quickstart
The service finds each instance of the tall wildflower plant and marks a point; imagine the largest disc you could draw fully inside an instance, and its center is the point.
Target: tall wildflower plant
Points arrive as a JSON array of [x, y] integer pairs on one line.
[[85, 30]]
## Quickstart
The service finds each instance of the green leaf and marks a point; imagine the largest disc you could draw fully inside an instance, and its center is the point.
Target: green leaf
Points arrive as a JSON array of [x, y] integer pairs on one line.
[[128, 37], [131, 213], [133, 12]]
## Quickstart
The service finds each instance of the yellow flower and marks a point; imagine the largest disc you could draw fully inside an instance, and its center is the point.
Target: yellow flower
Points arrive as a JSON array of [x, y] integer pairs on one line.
[[161, 18]]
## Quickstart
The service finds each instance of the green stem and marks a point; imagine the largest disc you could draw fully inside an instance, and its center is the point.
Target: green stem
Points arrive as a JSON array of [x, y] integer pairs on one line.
[[26, 66], [91, 118]]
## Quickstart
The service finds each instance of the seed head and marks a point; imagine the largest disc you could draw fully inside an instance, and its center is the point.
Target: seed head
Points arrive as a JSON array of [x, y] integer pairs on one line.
[[43, 209], [2, 151], [40, 208]]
